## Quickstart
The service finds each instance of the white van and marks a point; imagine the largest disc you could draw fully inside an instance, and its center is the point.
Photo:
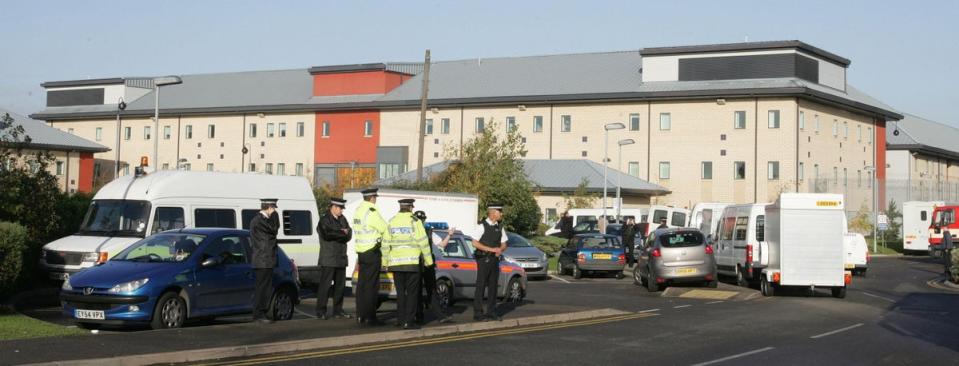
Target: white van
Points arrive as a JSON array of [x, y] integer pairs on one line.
[[457, 210], [133, 207], [740, 233], [916, 220], [675, 217], [582, 216], [705, 217], [857, 253]]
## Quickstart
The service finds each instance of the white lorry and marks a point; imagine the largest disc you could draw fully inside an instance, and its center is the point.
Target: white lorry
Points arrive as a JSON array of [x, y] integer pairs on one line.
[[916, 220], [135, 206], [804, 243]]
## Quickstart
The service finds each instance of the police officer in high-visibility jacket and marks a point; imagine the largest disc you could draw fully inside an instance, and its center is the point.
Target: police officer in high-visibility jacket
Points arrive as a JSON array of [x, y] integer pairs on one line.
[[489, 239], [369, 228], [404, 245]]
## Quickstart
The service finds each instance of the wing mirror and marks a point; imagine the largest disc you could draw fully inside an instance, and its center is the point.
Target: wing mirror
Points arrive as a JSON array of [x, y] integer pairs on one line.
[[210, 262]]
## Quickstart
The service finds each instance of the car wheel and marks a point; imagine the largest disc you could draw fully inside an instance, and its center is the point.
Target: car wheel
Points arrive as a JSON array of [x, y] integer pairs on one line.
[[620, 275], [839, 292], [651, 284], [712, 284], [637, 278], [766, 288], [577, 273], [444, 289], [170, 312], [741, 280], [282, 306], [514, 292], [559, 268]]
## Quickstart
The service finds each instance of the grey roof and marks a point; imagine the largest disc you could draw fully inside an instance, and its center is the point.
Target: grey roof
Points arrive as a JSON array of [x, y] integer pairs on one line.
[[232, 90], [46, 137], [65, 83], [557, 175], [747, 46], [920, 134]]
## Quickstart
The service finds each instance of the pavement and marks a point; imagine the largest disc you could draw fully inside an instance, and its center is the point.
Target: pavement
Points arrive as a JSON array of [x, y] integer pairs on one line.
[[893, 316]]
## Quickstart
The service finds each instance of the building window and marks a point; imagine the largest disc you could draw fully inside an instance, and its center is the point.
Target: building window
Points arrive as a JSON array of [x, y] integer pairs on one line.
[[389, 170], [583, 153], [739, 120], [253, 130], [300, 129], [845, 130], [537, 123], [802, 171], [664, 170], [739, 170], [816, 120], [566, 123], [166, 166], [211, 131], [845, 177], [774, 119], [634, 121], [59, 167], [99, 133], [707, 170], [280, 169], [585, 139], [869, 132], [634, 168], [96, 169], [859, 133], [802, 120], [869, 179], [70, 131], [510, 123], [772, 170], [815, 172], [184, 166], [429, 127], [270, 130], [445, 126], [479, 125], [835, 175], [167, 131], [835, 128], [146, 132], [127, 132], [282, 129], [665, 121], [859, 179], [268, 168], [252, 167], [189, 131], [209, 167], [299, 169], [367, 129]]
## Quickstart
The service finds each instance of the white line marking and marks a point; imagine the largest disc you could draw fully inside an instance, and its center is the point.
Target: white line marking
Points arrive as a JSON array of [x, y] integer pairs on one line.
[[648, 311], [713, 302], [681, 306], [744, 354], [878, 297], [902, 330], [837, 331], [304, 313], [559, 278]]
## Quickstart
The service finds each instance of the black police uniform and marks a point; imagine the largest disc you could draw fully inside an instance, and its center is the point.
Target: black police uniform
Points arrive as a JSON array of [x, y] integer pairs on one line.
[[333, 261], [430, 298], [487, 274], [263, 239]]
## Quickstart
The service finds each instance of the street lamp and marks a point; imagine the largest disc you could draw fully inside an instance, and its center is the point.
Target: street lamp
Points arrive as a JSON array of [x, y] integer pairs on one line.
[[157, 83], [619, 176], [875, 205], [608, 127], [121, 105]]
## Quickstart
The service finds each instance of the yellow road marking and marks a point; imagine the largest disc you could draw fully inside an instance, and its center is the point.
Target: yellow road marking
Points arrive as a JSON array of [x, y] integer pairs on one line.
[[428, 341], [709, 294]]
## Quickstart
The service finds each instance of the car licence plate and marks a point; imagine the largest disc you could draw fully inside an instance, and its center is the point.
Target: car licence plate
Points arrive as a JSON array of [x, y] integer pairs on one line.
[[90, 314], [684, 271], [529, 265], [388, 287], [850, 266], [59, 276], [602, 256]]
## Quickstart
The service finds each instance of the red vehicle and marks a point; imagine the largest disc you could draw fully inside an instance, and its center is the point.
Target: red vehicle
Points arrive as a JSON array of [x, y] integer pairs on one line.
[[942, 217]]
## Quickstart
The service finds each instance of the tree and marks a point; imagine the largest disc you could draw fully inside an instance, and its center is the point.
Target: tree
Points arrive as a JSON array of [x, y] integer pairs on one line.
[[581, 197], [862, 222], [891, 235]]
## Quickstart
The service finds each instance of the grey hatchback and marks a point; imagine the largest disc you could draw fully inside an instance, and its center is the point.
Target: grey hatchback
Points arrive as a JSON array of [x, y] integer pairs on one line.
[[675, 255]]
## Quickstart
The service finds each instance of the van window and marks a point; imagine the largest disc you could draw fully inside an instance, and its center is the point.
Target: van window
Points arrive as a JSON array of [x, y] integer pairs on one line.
[[246, 216], [214, 217], [728, 224], [923, 216], [167, 218], [706, 221], [582, 219], [741, 224], [679, 219], [948, 217], [761, 228], [658, 215], [297, 223]]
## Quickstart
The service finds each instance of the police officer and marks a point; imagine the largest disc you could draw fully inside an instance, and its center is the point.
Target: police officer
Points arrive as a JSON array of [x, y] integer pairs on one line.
[[404, 245], [662, 224], [263, 229], [370, 227], [334, 232], [430, 298], [489, 239]]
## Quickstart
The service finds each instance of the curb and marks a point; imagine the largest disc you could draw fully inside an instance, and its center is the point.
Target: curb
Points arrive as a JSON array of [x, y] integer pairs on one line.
[[943, 284], [332, 342]]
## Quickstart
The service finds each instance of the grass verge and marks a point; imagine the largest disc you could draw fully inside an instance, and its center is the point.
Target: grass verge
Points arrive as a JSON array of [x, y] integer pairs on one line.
[[17, 326]]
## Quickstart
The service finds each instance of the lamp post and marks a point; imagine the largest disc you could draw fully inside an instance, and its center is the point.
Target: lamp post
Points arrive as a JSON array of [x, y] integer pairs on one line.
[[608, 127], [619, 175], [875, 206], [121, 105], [157, 83]]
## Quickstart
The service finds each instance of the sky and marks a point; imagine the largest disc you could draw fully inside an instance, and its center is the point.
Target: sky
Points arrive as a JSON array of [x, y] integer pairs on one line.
[[900, 51]]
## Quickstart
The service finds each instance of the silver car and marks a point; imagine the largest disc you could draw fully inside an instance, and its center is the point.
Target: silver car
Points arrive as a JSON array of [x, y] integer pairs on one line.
[[675, 255], [521, 251]]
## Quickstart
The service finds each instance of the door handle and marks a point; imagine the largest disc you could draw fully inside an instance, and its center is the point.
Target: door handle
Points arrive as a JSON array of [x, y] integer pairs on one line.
[[456, 265]]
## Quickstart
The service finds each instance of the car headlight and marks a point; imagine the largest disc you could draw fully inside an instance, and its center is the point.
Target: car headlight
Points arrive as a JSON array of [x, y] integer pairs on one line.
[[66, 285], [129, 286], [95, 257], [508, 259]]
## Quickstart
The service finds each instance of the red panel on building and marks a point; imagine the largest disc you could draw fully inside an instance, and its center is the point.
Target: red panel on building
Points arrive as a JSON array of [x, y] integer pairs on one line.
[[880, 144], [347, 140], [85, 176], [359, 82]]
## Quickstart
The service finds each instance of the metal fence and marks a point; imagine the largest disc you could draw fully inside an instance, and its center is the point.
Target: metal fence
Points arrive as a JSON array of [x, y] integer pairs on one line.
[[859, 193]]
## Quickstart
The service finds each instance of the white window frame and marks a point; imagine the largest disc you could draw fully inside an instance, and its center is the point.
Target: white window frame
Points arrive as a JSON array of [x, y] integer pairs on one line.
[[167, 132], [147, 132], [209, 167], [281, 129], [665, 121], [664, 164], [300, 129], [773, 119], [772, 170], [445, 126], [739, 123], [428, 127], [367, 129], [280, 168], [510, 123], [537, 124], [211, 131], [299, 169], [127, 133], [566, 123], [188, 132], [802, 120], [802, 171], [253, 131], [479, 125], [635, 123], [629, 168], [270, 130], [99, 134], [702, 170]]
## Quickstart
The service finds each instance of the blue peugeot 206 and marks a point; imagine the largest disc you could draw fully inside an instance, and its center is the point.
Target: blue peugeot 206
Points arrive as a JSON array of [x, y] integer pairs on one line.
[[170, 277]]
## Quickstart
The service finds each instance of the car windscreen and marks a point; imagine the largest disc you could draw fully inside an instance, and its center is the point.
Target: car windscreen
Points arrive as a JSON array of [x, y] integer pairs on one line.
[[116, 217], [172, 247], [599, 242], [516, 241], [681, 239]]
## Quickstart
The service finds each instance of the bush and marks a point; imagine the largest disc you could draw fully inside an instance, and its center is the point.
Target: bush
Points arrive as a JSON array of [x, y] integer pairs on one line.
[[13, 241], [954, 270], [548, 244]]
